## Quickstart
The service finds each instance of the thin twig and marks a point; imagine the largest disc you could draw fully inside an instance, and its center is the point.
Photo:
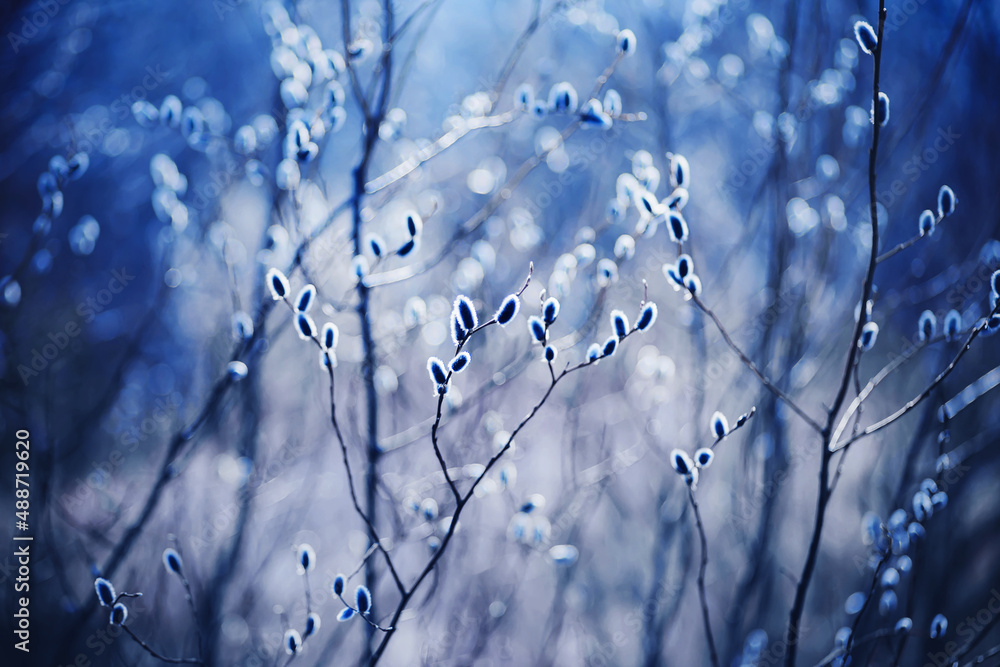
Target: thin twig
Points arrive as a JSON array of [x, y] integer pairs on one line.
[[501, 195], [190, 600], [373, 120], [364, 616], [839, 652], [149, 649], [463, 502], [966, 648], [345, 13], [436, 147], [376, 540], [441, 395], [877, 379], [702, 597], [849, 645], [981, 658], [792, 638], [916, 400], [748, 362]]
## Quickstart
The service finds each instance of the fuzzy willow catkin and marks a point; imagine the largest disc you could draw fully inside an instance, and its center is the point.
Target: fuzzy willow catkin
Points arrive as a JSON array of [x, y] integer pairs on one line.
[[436, 369], [537, 329], [647, 317], [866, 37], [105, 592], [466, 312], [550, 310], [362, 599], [119, 614], [277, 284], [508, 310], [172, 561], [681, 462]]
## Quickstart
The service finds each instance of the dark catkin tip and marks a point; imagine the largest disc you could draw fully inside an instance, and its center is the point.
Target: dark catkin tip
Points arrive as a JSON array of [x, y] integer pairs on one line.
[[119, 614], [677, 227], [329, 336], [681, 462], [508, 310], [647, 316], [880, 112], [458, 330], [375, 244], [612, 103], [927, 223], [362, 599], [680, 171], [563, 98], [437, 372], [312, 625], [939, 626], [693, 284], [459, 363], [466, 311], [952, 324], [172, 561], [105, 592], [306, 558], [610, 345], [947, 201], [869, 334], [926, 325], [293, 642], [277, 284], [626, 42], [406, 248], [704, 457], [524, 97], [720, 425], [619, 323], [305, 326], [77, 166], [304, 301], [550, 310], [414, 223], [866, 37], [537, 329], [592, 114]]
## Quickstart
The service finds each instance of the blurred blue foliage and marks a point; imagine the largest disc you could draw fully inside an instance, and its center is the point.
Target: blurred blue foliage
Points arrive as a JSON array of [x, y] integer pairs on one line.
[[136, 294]]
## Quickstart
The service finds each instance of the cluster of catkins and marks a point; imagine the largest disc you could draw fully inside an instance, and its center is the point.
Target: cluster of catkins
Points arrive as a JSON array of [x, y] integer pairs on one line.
[[563, 98]]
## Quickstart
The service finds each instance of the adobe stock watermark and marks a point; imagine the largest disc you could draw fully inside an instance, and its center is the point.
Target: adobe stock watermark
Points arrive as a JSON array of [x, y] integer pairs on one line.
[[584, 157], [897, 15], [129, 439], [967, 629], [86, 311], [757, 158], [461, 626], [750, 505], [972, 287], [224, 7], [919, 163], [223, 522], [218, 181], [100, 642], [959, 296], [121, 109], [33, 22]]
